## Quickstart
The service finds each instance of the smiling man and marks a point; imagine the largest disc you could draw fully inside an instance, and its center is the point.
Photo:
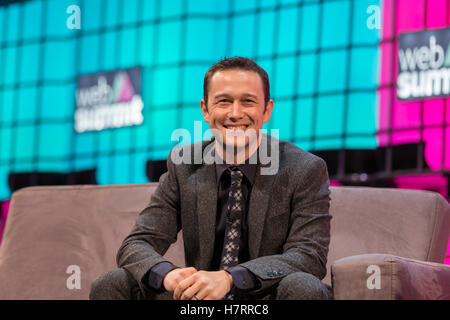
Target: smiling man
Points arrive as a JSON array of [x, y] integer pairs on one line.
[[247, 234], [236, 104]]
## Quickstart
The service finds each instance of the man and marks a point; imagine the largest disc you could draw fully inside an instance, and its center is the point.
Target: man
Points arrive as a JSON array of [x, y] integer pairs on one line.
[[248, 234]]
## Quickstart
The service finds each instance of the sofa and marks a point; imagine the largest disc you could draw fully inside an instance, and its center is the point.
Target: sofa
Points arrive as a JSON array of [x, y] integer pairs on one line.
[[385, 243]]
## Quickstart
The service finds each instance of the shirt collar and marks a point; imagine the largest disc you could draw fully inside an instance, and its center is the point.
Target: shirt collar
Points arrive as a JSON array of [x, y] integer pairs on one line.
[[248, 169]]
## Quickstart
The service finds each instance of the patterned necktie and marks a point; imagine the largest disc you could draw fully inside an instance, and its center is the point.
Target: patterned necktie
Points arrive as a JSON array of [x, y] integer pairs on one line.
[[230, 252]]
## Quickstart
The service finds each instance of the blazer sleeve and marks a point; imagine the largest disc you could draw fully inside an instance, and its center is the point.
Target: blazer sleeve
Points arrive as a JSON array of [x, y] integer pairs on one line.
[[306, 246], [156, 228]]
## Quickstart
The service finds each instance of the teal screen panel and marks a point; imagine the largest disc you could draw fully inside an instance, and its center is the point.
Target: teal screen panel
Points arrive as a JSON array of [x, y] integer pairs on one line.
[[146, 43], [162, 124], [130, 11], [109, 41], [105, 144], [57, 16], [138, 163], [111, 13], [243, 28], [329, 122], [193, 84], [32, 20], [104, 171], [304, 119], [121, 138], [24, 142], [121, 169], [310, 27], [89, 56], [287, 38], [29, 69], [361, 116], [127, 38], [59, 60], [4, 186], [165, 86], [333, 69], [283, 84], [280, 121], [198, 32], [364, 62], [13, 17], [266, 36], [7, 111], [336, 17], [307, 74], [190, 117], [54, 140], [321, 58], [169, 45], [362, 34], [92, 12], [9, 65], [2, 18], [58, 102], [170, 9], [26, 104], [5, 143]]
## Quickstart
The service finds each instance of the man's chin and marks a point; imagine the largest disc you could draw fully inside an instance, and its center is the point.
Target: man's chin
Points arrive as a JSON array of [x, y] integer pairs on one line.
[[236, 145]]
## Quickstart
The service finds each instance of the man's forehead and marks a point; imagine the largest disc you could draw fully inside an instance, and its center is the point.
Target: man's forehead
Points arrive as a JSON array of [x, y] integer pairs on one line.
[[236, 78], [233, 74]]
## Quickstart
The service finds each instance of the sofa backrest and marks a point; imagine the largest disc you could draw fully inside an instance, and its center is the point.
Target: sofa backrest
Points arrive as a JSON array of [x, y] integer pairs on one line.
[[55, 234]]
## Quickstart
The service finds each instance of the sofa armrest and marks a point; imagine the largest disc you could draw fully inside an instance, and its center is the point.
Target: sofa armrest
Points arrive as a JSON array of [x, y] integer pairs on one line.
[[388, 277]]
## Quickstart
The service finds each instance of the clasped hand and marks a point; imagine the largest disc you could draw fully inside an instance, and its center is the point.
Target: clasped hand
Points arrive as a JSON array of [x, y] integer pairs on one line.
[[190, 284]]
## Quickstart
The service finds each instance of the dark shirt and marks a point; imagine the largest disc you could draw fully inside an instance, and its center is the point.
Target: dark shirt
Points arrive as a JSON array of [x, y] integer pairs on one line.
[[243, 279], [224, 182]]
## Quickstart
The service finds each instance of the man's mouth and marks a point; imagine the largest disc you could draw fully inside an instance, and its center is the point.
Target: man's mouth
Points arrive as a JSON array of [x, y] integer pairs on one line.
[[233, 127]]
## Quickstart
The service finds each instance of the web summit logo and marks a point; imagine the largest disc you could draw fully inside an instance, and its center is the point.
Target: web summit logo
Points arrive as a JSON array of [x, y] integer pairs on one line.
[[424, 65], [109, 100]]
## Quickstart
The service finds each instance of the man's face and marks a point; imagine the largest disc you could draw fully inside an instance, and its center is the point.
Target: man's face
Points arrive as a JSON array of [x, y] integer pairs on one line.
[[236, 106]]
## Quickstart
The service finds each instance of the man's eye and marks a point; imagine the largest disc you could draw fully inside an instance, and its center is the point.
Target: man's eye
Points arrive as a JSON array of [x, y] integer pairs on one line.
[[224, 101]]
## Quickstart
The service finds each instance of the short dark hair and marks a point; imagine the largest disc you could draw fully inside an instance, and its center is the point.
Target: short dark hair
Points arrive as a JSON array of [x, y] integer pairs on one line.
[[240, 63]]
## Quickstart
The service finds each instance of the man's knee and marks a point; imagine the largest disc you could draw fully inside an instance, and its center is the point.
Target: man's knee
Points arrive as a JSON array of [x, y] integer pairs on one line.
[[302, 286], [113, 284]]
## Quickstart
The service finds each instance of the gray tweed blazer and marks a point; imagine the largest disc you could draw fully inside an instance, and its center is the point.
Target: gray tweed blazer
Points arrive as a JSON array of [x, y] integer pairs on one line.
[[288, 216]]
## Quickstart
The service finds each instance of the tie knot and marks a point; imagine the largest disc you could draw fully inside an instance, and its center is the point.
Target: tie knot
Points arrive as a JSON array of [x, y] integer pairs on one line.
[[236, 175]]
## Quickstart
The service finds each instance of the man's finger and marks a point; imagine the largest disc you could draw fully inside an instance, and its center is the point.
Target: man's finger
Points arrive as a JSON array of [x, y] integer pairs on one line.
[[183, 285], [189, 272], [202, 293], [191, 291]]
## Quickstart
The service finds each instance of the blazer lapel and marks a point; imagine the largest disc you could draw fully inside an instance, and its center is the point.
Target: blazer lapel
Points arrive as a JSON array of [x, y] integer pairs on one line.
[[259, 201], [206, 189]]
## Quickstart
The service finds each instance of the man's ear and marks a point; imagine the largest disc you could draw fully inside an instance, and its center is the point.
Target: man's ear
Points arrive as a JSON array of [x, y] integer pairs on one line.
[[268, 112], [204, 108]]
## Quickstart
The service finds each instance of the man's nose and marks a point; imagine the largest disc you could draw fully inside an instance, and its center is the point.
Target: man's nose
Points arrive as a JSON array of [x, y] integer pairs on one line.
[[236, 110]]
